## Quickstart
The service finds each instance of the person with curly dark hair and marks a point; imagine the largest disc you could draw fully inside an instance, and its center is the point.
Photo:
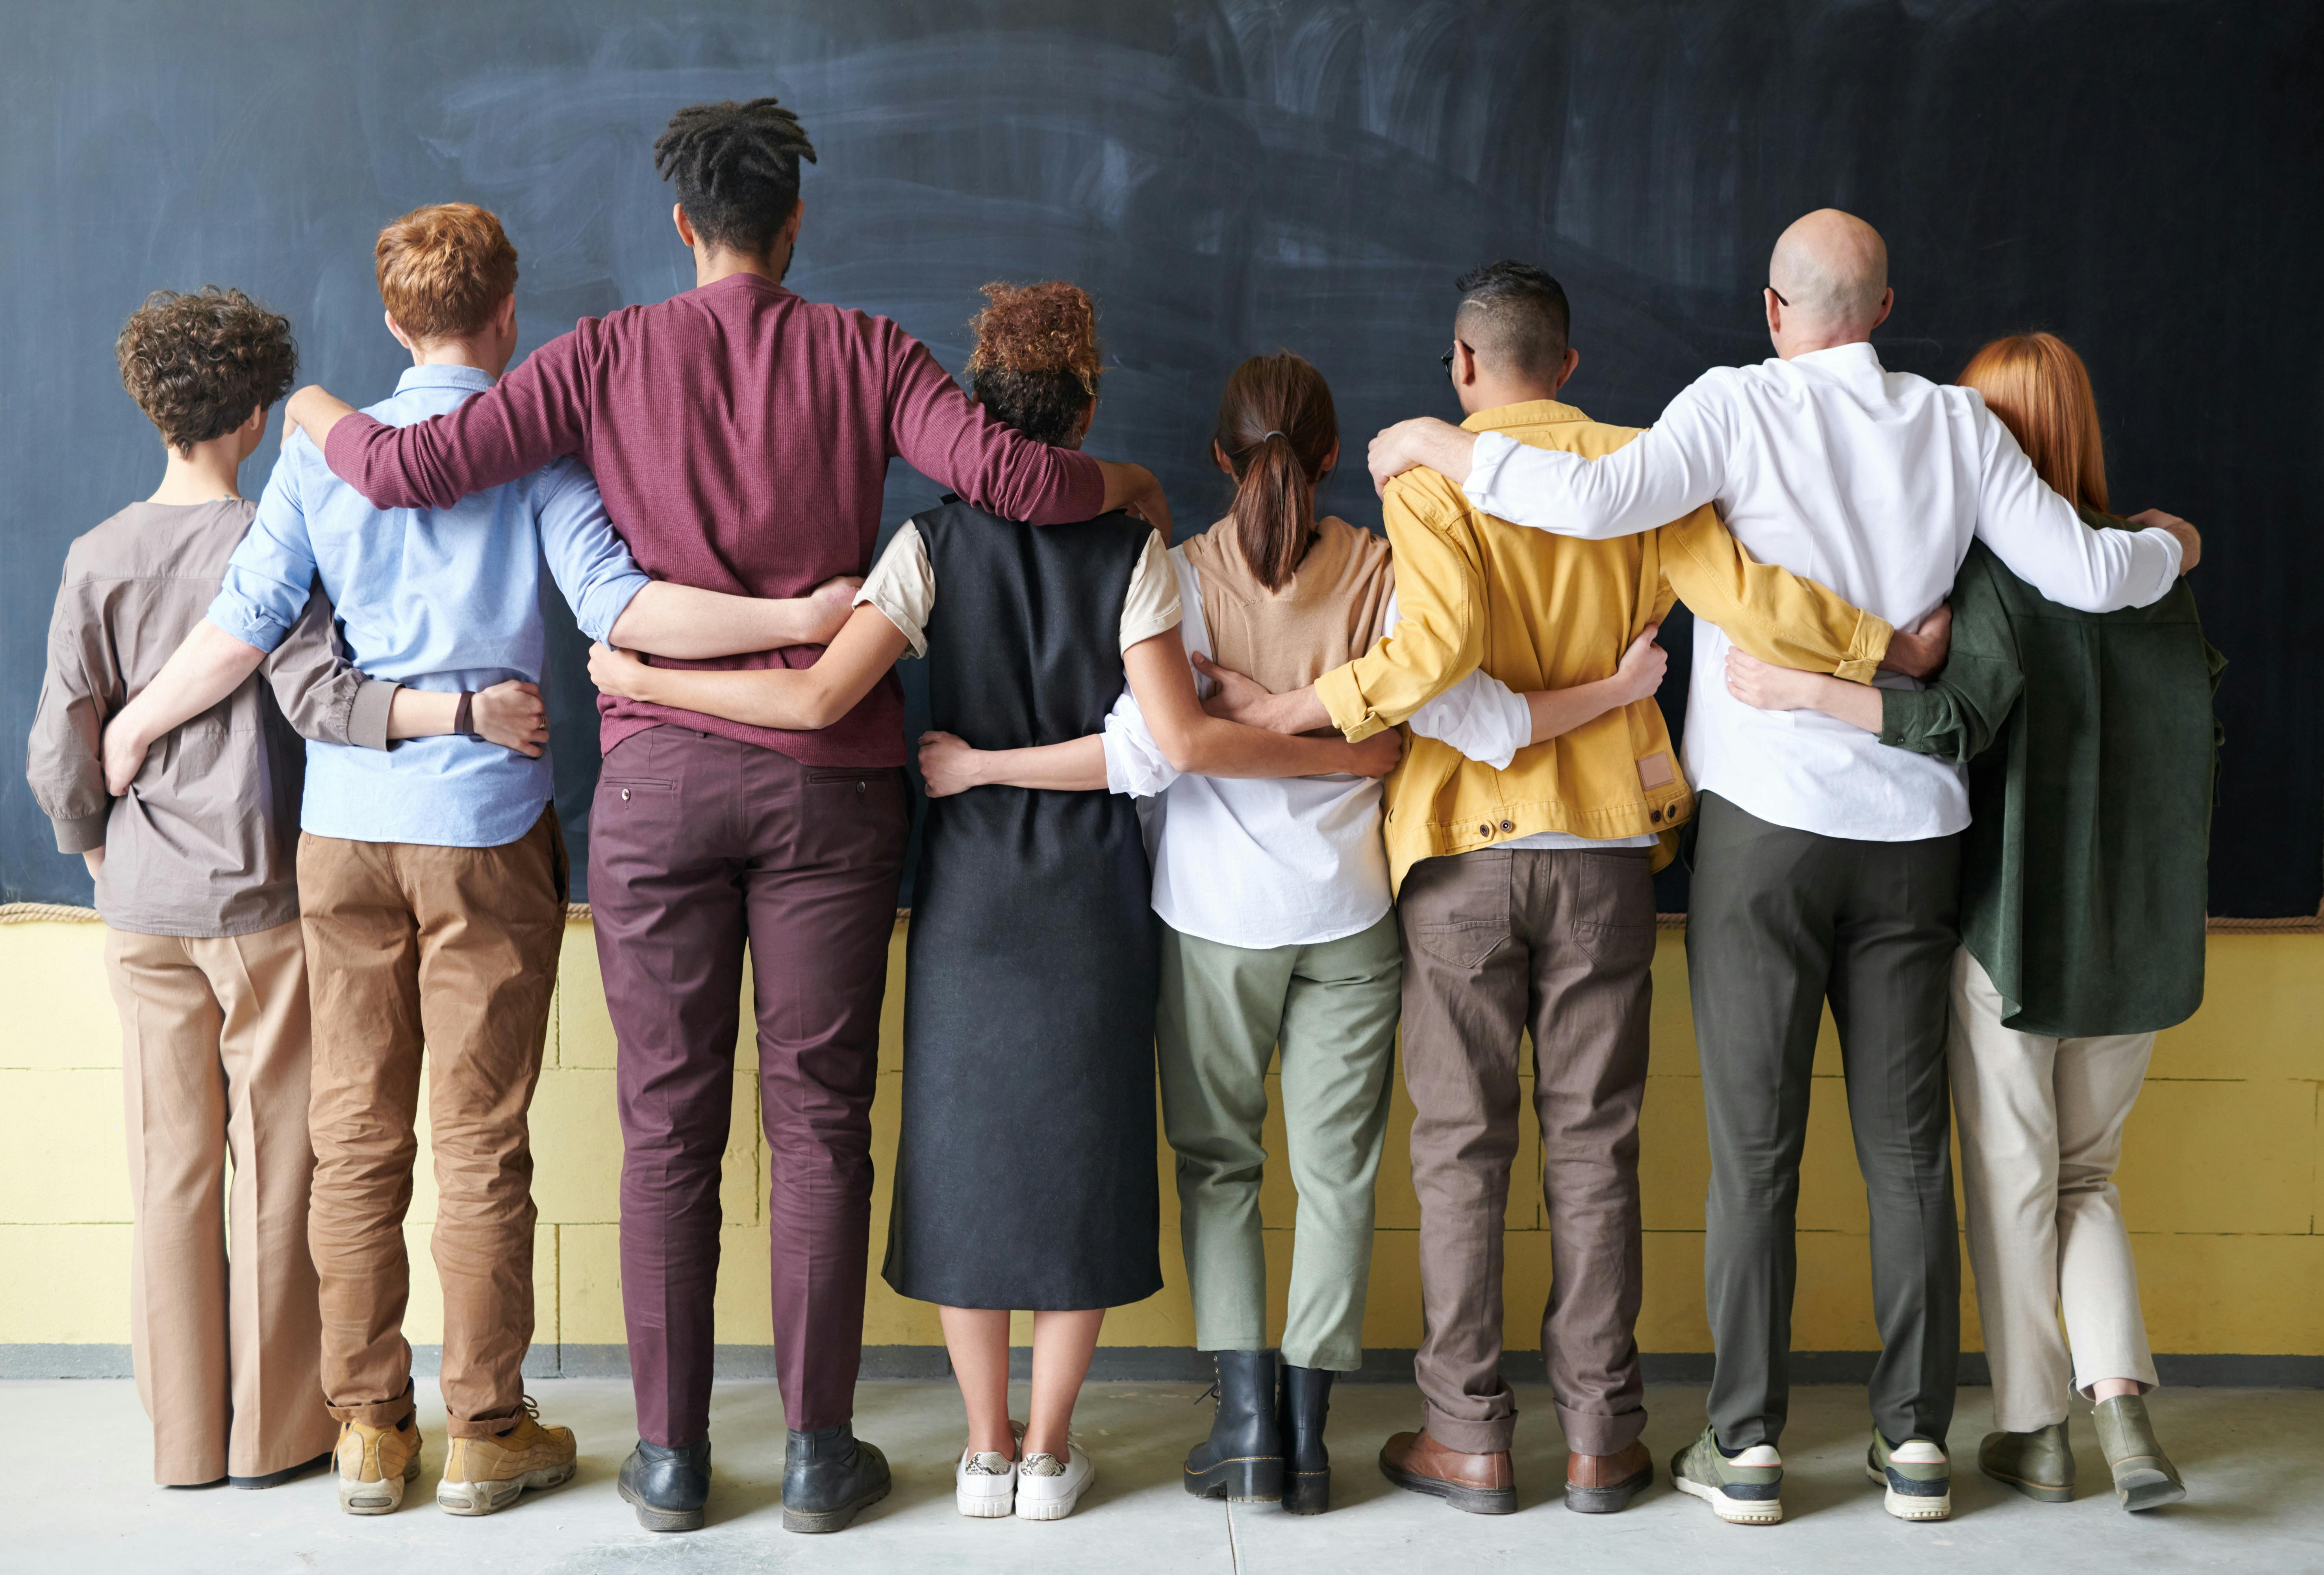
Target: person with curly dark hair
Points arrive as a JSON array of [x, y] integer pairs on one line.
[[1025, 1170], [192, 861], [740, 433]]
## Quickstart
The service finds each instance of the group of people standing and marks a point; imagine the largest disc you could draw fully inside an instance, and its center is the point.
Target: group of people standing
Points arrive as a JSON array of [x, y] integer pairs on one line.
[[1245, 802]]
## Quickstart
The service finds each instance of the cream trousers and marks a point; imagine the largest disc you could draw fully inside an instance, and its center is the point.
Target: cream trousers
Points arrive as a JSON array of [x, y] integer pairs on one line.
[[2041, 1131]]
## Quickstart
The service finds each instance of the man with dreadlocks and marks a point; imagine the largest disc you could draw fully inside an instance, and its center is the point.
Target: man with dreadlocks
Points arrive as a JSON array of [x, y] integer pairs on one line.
[[740, 436]]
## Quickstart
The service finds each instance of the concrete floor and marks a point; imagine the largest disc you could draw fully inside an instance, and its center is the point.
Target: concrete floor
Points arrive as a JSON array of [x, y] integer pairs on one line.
[[74, 1460]]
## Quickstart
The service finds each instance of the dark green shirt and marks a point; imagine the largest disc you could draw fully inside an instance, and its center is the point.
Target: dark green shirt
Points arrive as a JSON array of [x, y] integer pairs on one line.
[[2091, 748]]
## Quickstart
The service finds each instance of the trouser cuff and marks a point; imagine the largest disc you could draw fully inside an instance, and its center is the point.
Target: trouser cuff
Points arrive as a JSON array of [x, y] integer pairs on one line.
[[1491, 1437], [1593, 1433], [491, 1426], [376, 1413]]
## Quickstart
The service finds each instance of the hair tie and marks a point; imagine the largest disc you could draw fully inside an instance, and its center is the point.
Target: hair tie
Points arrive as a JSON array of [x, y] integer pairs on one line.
[[1275, 432]]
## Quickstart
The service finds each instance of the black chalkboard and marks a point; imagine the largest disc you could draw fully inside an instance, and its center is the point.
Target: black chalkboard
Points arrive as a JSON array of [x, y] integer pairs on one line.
[[1227, 179]]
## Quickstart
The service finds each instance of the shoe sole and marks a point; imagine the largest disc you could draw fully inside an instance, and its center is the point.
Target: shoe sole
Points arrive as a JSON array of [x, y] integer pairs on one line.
[[384, 1497], [1911, 1505], [1733, 1511], [1052, 1509], [1475, 1500], [2143, 1488], [469, 1498], [1306, 1492], [984, 1506], [818, 1521], [659, 1520], [1609, 1500], [2040, 1492], [1245, 1480]]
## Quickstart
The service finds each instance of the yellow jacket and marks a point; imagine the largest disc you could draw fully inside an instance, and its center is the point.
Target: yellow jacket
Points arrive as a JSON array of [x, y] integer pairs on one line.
[[1543, 611]]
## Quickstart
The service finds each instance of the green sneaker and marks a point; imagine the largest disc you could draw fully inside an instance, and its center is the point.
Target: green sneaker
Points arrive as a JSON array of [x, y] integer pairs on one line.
[[2039, 1464], [2143, 1476], [1916, 1474], [1742, 1490]]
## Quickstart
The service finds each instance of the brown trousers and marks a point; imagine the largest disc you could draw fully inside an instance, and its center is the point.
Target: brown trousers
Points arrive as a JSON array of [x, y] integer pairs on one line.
[[1561, 942], [453, 949], [222, 1323]]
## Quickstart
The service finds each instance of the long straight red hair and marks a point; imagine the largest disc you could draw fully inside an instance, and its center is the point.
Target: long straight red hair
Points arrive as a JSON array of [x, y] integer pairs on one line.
[[2041, 391]]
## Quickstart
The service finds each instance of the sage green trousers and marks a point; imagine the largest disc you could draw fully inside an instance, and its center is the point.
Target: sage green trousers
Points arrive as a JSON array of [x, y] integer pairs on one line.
[[1332, 1008]]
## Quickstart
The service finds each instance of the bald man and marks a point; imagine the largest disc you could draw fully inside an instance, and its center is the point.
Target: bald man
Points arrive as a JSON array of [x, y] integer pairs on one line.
[[1825, 866]]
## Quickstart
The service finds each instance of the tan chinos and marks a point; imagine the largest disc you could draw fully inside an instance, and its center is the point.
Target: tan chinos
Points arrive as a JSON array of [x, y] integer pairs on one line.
[[222, 1325], [2040, 1132], [455, 950]]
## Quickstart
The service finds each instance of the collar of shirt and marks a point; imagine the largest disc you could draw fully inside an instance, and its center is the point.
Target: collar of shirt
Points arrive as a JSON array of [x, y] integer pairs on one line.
[[1842, 363], [1524, 413], [474, 379]]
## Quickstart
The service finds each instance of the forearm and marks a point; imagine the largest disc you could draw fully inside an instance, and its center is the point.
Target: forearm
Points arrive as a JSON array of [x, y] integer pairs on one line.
[[690, 624], [421, 713], [1295, 711], [95, 858], [1858, 704], [1212, 747], [794, 699], [209, 665], [1560, 710], [1077, 766]]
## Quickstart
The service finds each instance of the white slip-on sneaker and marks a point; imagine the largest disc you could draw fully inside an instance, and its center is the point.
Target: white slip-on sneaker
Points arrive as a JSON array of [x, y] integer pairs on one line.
[[1047, 1487], [984, 1484]]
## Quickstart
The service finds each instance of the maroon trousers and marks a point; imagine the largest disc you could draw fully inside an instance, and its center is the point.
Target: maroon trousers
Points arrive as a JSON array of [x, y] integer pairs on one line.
[[697, 846]]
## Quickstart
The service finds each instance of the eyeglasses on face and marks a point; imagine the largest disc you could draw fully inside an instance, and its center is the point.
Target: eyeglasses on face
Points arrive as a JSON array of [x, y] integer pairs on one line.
[[1445, 360], [1778, 295]]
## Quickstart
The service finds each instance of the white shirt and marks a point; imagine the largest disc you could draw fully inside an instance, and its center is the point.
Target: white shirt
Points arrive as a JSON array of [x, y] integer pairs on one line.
[[1873, 483], [1295, 860]]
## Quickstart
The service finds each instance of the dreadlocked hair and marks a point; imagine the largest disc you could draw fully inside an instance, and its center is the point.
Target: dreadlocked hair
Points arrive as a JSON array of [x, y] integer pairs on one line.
[[1277, 430], [1035, 363], [736, 168]]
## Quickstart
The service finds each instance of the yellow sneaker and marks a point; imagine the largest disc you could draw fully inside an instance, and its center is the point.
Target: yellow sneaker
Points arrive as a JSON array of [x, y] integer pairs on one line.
[[481, 1475], [373, 1463]]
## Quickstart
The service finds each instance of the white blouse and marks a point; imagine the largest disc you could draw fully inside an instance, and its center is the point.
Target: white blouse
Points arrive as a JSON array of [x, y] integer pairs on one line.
[[1294, 861]]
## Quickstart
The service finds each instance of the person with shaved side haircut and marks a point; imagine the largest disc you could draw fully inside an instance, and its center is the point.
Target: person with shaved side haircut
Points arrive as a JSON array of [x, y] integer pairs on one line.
[[1825, 867]]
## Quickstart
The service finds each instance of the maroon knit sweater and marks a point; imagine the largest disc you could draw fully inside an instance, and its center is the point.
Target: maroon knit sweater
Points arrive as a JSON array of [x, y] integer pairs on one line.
[[740, 436]]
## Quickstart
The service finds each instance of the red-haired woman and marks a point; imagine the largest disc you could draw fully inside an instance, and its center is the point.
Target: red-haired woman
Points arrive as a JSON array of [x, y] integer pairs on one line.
[[2090, 746], [1025, 1172]]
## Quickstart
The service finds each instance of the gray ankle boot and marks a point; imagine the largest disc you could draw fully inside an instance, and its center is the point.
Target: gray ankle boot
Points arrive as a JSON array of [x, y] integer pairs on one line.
[[2143, 1476], [2039, 1464]]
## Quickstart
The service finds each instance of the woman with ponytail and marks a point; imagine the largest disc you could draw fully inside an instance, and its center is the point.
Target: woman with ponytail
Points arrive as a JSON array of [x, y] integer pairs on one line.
[[1024, 1174], [1277, 931]]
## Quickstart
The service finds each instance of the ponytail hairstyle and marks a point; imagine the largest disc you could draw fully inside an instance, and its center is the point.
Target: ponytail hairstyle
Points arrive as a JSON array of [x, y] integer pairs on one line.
[[2041, 391], [1035, 363], [1277, 430]]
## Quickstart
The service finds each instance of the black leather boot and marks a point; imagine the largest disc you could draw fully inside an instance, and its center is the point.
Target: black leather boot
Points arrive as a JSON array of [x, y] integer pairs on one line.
[[1242, 1459], [828, 1476], [668, 1486], [1306, 1463]]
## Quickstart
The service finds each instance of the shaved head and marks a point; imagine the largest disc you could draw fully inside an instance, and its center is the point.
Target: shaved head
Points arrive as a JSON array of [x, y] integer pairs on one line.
[[1832, 267]]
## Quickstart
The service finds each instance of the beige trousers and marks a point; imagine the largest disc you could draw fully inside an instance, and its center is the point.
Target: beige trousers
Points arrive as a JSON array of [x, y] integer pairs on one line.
[[2040, 1132], [453, 950], [222, 1327]]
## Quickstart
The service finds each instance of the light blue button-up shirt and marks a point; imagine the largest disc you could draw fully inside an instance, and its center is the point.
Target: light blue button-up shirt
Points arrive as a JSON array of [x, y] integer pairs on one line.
[[433, 599]]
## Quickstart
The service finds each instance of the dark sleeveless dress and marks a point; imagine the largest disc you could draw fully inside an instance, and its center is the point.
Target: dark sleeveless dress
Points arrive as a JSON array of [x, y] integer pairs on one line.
[[1024, 1175]]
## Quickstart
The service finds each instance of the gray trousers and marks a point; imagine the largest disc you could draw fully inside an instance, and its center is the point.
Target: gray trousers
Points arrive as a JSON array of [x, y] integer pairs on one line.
[[1779, 921]]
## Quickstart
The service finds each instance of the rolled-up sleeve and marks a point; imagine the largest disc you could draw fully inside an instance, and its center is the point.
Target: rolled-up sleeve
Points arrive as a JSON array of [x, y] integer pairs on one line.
[[1439, 636], [267, 581], [1134, 764], [590, 564]]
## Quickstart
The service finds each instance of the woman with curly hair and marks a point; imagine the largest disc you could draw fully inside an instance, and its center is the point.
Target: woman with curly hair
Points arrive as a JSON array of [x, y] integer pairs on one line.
[[1024, 1172]]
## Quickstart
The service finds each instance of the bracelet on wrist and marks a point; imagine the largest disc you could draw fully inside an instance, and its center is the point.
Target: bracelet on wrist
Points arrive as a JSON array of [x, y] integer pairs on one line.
[[464, 714]]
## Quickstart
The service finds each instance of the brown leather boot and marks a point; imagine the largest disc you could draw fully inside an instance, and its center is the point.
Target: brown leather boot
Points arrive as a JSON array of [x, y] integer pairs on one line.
[[1480, 1484], [1603, 1484]]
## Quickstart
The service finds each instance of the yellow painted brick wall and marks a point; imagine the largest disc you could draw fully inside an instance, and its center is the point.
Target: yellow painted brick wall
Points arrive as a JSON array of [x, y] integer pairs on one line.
[[2221, 1177]]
